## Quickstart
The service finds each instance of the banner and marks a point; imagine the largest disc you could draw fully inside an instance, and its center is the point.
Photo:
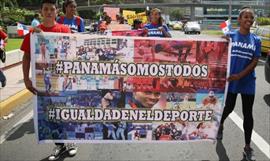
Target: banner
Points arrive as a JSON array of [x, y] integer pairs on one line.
[[119, 27], [130, 16], [112, 12], [128, 33], [127, 89]]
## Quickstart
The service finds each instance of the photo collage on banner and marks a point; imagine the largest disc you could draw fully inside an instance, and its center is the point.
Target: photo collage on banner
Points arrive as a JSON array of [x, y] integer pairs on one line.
[[127, 88]]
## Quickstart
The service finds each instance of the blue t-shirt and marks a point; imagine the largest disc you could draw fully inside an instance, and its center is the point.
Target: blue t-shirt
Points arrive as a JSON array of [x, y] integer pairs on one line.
[[153, 30], [72, 23], [244, 49]]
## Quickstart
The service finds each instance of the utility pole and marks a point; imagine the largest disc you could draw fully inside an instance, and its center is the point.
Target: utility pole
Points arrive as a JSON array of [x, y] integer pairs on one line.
[[230, 10]]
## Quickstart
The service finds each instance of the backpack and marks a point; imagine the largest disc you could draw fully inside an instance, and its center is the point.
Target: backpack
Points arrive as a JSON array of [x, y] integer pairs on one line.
[[77, 19]]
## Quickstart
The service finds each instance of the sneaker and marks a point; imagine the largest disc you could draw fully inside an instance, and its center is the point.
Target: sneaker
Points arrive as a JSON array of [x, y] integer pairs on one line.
[[220, 132], [249, 154], [57, 152], [72, 149]]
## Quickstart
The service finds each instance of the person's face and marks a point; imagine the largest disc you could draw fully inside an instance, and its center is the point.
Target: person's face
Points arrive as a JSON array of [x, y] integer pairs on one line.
[[48, 11], [147, 99], [246, 20], [155, 15], [71, 9]]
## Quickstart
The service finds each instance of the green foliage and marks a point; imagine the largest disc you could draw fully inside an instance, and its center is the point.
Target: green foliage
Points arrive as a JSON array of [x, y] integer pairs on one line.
[[263, 21], [88, 14], [8, 3], [176, 14], [9, 16], [100, 2]]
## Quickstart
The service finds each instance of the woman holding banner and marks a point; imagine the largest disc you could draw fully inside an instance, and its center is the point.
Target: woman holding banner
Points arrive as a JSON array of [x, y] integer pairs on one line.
[[156, 28]]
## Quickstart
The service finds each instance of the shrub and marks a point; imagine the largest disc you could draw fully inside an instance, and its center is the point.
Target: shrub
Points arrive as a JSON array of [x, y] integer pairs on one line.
[[263, 21]]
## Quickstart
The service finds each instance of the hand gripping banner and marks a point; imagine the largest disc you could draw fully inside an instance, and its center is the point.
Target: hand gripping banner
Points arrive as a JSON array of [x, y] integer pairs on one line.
[[127, 89]]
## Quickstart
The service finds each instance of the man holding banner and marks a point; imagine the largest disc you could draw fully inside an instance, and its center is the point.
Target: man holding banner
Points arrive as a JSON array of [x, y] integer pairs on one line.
[[48, 11]]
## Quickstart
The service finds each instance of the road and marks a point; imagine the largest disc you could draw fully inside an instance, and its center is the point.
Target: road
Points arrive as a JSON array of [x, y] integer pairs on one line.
[[21, 143]]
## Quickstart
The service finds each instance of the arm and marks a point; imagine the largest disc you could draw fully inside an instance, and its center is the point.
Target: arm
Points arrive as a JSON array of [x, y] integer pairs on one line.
[[165, 31], [167, 34], [245, 72], [26, 68], [4, 37], [6, 40]]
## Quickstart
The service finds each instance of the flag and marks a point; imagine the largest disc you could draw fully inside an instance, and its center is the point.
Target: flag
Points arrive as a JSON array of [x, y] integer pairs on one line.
[[22, 29], [225, 26]]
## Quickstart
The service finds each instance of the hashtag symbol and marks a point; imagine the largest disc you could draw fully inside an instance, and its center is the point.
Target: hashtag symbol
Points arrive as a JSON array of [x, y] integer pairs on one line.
[[59, 67], [51, 115]]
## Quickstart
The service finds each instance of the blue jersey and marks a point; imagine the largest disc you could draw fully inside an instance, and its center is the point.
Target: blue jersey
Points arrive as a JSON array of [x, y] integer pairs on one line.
[[76, 24], [244, 49], [153, 30]]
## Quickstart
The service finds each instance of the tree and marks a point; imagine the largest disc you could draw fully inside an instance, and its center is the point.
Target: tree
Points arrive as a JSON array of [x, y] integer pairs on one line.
[[176, 14], [100, 2], [8, 3]]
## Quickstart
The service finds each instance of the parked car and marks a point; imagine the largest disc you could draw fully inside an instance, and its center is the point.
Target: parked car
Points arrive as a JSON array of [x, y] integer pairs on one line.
[[192, 27], [178, 26], [171, 23], [267, 68], [264, 34]]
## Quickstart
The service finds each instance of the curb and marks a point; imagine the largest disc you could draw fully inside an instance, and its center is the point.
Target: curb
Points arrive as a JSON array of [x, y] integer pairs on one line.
[[12, 102], [11, 66]]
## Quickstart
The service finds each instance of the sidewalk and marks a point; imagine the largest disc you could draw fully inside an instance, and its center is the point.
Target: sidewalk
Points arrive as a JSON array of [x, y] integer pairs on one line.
[[14, 84], [12, 57], [14, 93]]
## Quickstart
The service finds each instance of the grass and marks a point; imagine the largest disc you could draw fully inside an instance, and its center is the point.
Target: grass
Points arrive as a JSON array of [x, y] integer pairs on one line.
[[212, 32], [13, 43]]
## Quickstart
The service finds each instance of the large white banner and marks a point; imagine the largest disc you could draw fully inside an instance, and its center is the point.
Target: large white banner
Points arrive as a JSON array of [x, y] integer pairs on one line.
[[127, 89]]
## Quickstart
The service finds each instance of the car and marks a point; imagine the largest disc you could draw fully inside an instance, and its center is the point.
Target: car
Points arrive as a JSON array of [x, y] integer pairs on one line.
[[177, 26], [192, 27], [267, 67], [171, 23], [264, 34]]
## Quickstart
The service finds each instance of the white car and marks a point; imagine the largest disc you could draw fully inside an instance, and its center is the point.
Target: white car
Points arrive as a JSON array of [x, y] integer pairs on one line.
[[192, 27]]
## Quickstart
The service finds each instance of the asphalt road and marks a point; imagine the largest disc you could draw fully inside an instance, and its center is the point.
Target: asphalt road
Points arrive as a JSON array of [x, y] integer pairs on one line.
[[21, 143]]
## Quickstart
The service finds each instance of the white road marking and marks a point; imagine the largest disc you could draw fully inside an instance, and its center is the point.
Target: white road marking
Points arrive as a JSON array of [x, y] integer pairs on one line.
[[256, 138], [16, 126]]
